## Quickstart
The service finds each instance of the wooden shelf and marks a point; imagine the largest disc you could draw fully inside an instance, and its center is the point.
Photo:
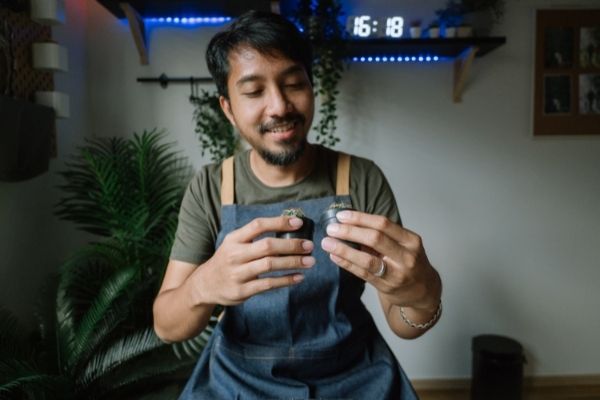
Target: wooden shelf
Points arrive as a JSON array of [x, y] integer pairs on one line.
[[461, 50]]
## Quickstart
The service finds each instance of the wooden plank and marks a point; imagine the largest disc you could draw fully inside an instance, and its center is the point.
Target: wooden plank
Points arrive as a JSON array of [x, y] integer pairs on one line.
[[462, 66], [564, 387], [136, 24]]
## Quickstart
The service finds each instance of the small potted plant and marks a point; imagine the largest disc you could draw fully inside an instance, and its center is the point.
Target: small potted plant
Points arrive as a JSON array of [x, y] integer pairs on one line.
[[329, 217], [415, 28], [450, 32], [434, 30], [464, 30], [305, 231]]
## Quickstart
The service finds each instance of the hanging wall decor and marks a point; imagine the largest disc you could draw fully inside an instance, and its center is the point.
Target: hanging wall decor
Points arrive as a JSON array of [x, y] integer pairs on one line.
[[567, 72], [28, 129]]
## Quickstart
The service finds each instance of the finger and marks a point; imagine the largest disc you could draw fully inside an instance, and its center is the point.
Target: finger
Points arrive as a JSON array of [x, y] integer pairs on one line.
[[373, 239], [258, 226], [359, 263], [261, 285], [269, 264], [379, 283], [270, 246], [401, 235]]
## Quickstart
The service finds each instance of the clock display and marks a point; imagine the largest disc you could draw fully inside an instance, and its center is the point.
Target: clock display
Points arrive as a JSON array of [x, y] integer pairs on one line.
[[367, 26]]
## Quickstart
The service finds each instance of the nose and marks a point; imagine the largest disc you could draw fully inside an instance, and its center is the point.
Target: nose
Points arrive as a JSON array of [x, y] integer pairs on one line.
[[278, 104]]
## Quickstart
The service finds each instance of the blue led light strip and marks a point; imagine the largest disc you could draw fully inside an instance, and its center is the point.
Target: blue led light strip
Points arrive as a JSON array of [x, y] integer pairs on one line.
[[424, 58], [187, 20]]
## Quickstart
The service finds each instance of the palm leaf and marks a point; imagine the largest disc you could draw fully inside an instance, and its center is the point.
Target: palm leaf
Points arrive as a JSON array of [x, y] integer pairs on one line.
[[10, 343], [192, 348], [123, 350], [109, 293], [18, 376], [146, 373]]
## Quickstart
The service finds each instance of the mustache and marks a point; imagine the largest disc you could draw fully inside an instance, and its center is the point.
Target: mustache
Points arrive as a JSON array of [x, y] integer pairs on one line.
[[288, 118]]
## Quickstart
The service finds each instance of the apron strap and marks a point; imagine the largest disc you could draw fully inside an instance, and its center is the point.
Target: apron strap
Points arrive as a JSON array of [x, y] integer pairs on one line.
[[227, 182], [343, 175]]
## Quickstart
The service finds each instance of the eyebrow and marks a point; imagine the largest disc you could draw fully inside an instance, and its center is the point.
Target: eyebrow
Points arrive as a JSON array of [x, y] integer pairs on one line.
[[294, 69]]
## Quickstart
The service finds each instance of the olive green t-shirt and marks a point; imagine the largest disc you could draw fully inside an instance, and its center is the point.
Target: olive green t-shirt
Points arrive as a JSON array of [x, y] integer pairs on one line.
[[200, 209]]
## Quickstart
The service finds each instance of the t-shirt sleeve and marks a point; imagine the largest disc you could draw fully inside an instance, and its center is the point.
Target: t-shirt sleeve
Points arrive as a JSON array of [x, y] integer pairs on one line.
[[197, 226], [371, 192]]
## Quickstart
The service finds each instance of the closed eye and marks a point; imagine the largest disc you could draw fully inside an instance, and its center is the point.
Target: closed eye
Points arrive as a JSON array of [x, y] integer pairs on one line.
[[254, 93], [296, 85]]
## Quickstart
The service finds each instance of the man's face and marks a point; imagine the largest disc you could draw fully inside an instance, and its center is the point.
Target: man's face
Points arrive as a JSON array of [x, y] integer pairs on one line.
[[271, 103]]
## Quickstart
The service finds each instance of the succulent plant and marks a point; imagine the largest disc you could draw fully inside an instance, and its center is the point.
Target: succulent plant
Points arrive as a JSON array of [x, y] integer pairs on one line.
[[304, 232]]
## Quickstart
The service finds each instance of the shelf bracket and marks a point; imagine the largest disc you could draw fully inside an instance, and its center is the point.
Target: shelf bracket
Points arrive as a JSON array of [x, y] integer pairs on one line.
[[462, 65], [136, 24]]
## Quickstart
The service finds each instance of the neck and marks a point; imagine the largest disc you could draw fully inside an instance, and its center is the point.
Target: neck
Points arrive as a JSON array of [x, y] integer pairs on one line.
[[278, 176]]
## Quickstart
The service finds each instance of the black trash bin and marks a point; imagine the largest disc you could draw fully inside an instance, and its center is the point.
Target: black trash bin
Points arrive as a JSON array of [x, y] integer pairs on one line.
[[497, 372]]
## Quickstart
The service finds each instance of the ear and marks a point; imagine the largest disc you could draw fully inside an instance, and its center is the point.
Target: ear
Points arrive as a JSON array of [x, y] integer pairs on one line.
[[226, 107]]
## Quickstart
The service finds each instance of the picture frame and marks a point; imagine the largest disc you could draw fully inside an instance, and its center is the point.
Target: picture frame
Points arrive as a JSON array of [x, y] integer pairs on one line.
[[567, 72]]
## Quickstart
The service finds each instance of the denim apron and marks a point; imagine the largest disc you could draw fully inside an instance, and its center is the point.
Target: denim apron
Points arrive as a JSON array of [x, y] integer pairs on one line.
[[313, 340]]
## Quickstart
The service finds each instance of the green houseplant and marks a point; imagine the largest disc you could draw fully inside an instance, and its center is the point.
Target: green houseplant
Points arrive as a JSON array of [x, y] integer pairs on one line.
[[479, 14], [99, 344], [320, 21], [214, 130]]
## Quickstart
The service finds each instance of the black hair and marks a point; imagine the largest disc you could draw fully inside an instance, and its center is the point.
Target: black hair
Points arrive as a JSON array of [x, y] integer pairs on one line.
[[268, 33]]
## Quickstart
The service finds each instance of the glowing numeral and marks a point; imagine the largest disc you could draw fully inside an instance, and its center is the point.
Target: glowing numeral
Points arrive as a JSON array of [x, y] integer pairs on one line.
[[361, 26], [394, 27]]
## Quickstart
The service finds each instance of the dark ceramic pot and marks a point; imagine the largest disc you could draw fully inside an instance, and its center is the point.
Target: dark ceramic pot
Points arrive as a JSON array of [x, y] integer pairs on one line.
[[329, 217], [305, 231]]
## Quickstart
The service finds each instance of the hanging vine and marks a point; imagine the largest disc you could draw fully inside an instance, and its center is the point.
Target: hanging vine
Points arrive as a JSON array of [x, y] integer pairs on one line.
[[320, 20], [214, 130]]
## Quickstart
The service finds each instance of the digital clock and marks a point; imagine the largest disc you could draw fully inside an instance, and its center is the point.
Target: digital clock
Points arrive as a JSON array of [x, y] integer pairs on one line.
[[367, 26]]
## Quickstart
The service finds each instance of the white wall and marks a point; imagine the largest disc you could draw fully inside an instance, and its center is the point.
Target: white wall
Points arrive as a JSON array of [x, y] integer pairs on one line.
[[33, 241], [509, 220]]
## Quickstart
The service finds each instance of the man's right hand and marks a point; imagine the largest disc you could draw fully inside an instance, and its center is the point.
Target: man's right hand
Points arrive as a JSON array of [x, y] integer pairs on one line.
[[232, 274]]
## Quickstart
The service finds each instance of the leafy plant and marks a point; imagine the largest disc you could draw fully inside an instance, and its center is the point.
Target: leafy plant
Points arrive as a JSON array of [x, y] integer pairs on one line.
[[320, 20], [454, 11], [20, 373], [213, 128], [128, 193]]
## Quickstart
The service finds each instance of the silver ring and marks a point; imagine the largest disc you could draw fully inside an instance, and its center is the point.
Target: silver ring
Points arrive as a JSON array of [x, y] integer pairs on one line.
[[382, 269]]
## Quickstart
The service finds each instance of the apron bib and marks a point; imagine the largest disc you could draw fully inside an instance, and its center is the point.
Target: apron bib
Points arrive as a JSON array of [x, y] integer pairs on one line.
[[312, 340]]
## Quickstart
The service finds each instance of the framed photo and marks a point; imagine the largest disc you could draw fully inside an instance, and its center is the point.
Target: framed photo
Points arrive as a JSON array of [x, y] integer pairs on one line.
[[567, 72]]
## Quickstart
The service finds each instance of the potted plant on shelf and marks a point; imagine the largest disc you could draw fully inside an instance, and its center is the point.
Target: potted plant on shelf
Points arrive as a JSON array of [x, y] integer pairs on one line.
[[464, 30], [415, 28], [449, 31], [434, 30], [481, 15]]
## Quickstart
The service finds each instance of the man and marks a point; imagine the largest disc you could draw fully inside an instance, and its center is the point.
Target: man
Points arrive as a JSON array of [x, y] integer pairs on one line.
[[294, 325]]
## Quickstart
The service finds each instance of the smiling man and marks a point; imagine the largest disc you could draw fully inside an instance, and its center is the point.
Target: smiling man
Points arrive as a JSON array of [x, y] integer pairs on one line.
[[294, 325]]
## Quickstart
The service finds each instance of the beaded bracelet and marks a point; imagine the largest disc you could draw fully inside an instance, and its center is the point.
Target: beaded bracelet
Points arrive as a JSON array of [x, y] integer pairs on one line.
[[427, 324]]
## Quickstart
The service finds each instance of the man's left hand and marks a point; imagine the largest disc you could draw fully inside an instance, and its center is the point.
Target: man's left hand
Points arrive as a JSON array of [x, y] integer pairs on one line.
[[409, 280]]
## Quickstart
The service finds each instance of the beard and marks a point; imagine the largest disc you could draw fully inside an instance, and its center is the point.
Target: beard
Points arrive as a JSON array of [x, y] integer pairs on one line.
[[293, 149], [285, 157]]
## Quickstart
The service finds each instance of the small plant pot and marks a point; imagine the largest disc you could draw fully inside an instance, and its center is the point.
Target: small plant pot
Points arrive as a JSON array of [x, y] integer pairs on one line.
[[415, 32], [450, 32], [434, 32], [304, 232], [464, 31], [329, 217]]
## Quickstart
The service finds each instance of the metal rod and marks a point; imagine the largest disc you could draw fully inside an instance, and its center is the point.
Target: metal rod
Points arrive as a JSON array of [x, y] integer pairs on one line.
[[164, 80]]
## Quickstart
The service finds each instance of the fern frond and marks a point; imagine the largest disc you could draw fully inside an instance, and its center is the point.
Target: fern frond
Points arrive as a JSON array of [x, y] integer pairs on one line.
[[108, 294], [118, 353], [18, 376]]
